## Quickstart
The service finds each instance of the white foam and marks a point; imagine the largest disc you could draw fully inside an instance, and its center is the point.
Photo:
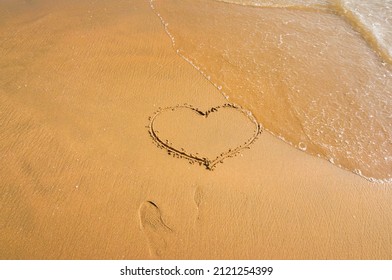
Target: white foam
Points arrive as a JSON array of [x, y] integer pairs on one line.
[[375, 17], [278, 3]]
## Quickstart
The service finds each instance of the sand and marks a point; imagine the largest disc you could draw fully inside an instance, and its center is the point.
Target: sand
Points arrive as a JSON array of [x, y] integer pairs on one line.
[[81, 177]]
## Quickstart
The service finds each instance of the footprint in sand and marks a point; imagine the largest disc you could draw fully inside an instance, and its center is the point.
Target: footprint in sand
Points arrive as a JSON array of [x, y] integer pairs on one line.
[[154, 227], [198, 197]]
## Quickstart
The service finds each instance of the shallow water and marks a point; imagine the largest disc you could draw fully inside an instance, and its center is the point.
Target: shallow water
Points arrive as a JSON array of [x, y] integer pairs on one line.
[[312, 74], [373, 19]]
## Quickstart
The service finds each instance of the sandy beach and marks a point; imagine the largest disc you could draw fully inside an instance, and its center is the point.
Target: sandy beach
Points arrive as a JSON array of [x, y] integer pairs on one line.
[[82, 178]]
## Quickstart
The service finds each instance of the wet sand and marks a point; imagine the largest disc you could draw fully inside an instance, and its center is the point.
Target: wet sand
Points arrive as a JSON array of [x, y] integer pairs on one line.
[[81, 177]]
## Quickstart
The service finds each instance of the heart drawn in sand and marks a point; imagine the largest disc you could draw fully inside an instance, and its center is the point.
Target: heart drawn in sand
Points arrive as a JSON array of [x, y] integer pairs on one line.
[[209, 136]]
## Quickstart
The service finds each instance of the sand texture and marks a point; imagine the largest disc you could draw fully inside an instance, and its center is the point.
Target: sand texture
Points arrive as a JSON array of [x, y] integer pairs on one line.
[[81, 176]]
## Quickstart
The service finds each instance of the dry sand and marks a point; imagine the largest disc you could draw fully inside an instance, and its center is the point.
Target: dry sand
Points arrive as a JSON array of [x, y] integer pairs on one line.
[[81, 178]]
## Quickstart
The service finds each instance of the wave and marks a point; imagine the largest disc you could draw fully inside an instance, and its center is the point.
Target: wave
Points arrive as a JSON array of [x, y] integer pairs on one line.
[[373, 19]]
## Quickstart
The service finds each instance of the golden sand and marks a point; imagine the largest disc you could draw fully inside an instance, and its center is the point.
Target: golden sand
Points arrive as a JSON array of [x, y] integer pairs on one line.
[[81, 178]]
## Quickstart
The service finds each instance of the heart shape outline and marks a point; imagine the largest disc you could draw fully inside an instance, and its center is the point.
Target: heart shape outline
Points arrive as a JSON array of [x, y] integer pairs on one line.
[[209, 164]]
